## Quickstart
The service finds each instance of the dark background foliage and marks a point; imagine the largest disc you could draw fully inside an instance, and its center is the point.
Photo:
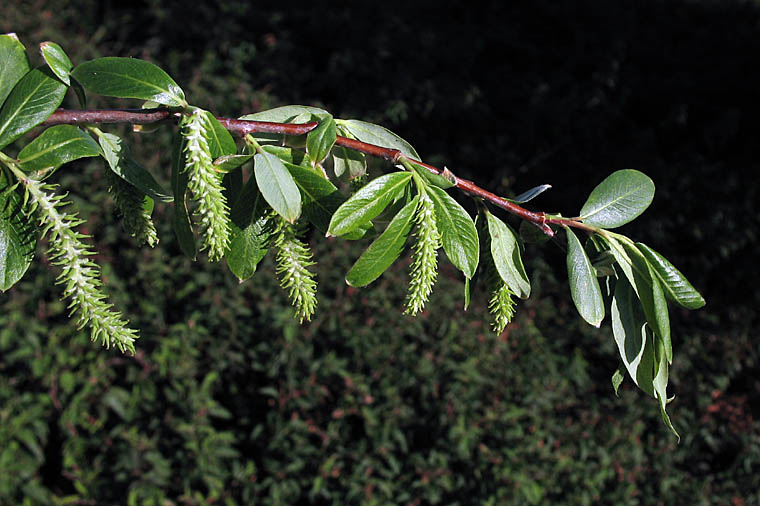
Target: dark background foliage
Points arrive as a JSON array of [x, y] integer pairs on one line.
[[229, 400]]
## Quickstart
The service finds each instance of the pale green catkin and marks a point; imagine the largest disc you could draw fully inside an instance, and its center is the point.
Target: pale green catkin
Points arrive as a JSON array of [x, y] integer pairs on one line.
[[129, 200], [206, 187], [293, 258], [424, 269], [79, 275], [501, 305]]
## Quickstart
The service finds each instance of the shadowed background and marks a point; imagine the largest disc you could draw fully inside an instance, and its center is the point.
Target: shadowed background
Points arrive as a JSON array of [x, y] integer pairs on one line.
[[229, 399]]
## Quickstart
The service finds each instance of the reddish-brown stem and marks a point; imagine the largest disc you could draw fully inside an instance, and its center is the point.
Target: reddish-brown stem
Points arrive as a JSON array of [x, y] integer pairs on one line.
[[244, 127]]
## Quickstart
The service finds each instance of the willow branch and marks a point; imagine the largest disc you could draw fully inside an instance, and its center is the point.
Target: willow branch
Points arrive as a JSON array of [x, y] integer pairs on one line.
[[244, 127]]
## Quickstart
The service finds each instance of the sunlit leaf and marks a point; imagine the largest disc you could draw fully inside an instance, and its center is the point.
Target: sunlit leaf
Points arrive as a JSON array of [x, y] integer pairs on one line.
[[618, 199], [368, 202], [677, 288], [584, 287], [505, 251], [458, 234], [321, 139], [56, 146], [385, 249], [14, 63], [277, 186], [31, 101], [378, 135], [129, 78], [57, 60]]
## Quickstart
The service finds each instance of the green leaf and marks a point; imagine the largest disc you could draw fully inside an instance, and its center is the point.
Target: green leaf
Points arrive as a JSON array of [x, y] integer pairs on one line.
[[505, 251], [652, 298], [661, 382], [220, 141], [385, 249], [645, 283], [458, 234], [129, 78], [117, 155], [584, 286], [31, 101], [618, 199], [181, 223], [250, 231], [677, 288], [277, 186], [368, 202], [55, 146], [286, 114], [348, 161], [14, 63], [18, 238], [227, 163], [377, 135], [320, 141], [57, 60], [319, 197], [632, 336], [288, 155]]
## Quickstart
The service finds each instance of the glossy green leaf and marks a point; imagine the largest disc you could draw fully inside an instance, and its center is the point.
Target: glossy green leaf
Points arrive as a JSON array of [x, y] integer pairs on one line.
[[661, 382], [181, 223], [57, 60], [14, 63], [121, 162], [277, 186], [584, 287], [129, 78], [320, 141], [378, 135], [348, 161], [647, 286], [250, 231], [632, 336], [458, 234], [652, 298], [220, 141], [288, 155], [368, 202], [385, 249], [505, 251], [618, 199], [55, 146], [286, 114], [31, 101], [227, 163], [320, 198], [18, 237], [675, 285]]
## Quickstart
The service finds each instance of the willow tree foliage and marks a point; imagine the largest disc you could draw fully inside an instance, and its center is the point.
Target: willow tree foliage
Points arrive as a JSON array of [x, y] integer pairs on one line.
[[306, 169]]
